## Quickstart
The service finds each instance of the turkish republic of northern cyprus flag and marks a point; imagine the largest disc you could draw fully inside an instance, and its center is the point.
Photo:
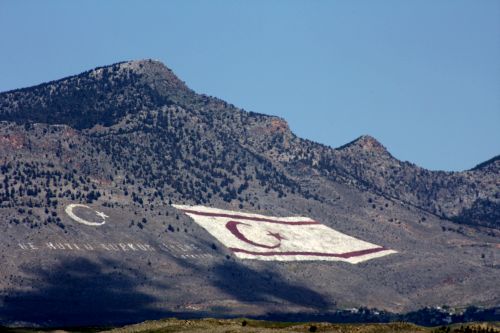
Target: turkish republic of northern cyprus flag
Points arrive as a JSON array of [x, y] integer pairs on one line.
[[253, 236]]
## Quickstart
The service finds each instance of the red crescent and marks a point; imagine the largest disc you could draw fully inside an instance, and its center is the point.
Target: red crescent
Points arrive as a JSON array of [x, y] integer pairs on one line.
[[232, 226]]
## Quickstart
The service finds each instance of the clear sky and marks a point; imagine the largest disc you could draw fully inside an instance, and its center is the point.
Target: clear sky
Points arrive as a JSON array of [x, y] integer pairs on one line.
[[421, 76]]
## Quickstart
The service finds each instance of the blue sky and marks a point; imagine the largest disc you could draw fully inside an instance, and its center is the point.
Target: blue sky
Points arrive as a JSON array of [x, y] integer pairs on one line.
[[423, 77]]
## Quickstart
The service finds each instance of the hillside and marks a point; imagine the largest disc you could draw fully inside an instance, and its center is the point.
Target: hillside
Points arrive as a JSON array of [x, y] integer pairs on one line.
[[126, 92], [131, 139]]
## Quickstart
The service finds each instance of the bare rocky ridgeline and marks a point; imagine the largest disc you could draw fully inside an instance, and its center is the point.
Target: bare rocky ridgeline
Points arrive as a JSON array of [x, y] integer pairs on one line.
[[130, 139]]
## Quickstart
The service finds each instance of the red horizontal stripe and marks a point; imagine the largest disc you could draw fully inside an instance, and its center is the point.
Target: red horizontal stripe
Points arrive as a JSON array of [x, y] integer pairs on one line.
[[312, 254], [248, 218]]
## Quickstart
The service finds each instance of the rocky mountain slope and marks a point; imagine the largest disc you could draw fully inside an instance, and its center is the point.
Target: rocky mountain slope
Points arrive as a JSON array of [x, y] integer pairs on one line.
[[127, 91], [131, 139]]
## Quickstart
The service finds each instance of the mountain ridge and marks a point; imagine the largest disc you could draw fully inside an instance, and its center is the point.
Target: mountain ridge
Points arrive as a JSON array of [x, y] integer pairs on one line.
[[154, 85], [151, 142], [158, 69]]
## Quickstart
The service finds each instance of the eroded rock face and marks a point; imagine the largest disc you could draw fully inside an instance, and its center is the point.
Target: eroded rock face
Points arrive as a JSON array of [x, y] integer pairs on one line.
[[130, 140]]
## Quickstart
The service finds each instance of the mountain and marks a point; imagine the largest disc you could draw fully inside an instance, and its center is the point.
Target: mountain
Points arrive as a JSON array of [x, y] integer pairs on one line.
[[130, 140]]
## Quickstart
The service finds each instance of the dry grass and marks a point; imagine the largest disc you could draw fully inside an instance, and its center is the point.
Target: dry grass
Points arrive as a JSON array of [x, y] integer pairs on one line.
[[243, 325], [238, 325]]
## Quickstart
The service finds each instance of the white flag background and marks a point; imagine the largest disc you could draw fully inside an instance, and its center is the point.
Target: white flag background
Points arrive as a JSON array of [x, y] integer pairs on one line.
[[253, 236]]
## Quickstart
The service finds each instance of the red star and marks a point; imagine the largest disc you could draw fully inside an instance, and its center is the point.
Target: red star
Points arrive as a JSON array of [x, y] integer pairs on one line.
[[276, 235]]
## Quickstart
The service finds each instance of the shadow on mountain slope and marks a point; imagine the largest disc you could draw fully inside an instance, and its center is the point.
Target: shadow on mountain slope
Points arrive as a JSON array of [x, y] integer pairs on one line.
[[249, 285], [80, 292]]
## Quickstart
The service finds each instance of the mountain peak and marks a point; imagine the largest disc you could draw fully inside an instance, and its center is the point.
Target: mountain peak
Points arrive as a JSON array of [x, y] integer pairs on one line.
[[369, 143], [153, 72], [491, 164], [78, 100], [138, 66], [142, 66], [366, 143], [157, 75]]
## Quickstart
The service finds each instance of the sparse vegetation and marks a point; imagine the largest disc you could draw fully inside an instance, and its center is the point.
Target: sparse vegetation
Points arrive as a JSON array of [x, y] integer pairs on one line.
[[249, 325], [138, 140]]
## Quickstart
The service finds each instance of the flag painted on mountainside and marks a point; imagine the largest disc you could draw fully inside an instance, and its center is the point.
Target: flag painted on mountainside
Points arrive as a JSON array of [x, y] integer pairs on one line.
[[261, 237]]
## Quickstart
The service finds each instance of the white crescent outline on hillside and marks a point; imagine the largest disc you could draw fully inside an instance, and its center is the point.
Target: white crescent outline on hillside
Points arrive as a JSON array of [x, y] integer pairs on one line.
[[69, 211]]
